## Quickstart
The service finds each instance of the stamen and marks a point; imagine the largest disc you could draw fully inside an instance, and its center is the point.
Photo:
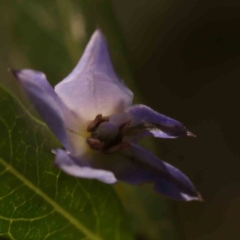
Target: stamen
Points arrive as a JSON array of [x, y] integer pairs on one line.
[[123, 128], [94, 123], [98, 119], [106, 137], [95, 144]]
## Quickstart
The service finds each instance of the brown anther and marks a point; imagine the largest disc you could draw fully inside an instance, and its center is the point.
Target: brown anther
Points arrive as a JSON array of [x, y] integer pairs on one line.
[[95, 144], [98, 119], [115, 148], [105, 119], [123, 128], [94, 123]]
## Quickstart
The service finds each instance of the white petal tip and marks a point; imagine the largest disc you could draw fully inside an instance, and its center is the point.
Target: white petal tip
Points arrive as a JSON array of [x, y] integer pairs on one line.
[[189, 134], [27, 74], [187, 198], [54, 151]]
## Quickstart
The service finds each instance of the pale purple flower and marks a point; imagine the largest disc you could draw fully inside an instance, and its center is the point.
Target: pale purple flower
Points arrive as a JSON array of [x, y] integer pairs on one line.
[[91, 113]]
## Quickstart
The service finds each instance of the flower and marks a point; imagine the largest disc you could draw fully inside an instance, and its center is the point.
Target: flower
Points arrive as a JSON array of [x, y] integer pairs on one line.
[[91, 113]]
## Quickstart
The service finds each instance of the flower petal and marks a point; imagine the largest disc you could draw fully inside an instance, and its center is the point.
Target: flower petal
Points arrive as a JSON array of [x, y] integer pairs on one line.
[[119, 118], [80, 169], [93, 87], [143, 166], [147, 122], [133, 165], [45, 100]]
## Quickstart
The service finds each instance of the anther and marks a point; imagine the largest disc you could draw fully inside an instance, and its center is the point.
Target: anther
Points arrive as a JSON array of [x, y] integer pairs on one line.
[[98, 119], [95, 144], [123, 128]]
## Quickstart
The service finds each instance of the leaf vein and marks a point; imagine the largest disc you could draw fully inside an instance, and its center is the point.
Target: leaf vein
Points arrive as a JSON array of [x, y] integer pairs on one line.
[[55, 205]]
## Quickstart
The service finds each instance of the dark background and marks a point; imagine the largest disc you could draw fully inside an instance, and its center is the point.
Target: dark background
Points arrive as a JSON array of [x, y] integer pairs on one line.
[[185, 57]]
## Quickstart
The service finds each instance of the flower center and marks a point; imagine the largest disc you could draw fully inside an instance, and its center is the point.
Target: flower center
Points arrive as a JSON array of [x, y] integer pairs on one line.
[[105, 136]]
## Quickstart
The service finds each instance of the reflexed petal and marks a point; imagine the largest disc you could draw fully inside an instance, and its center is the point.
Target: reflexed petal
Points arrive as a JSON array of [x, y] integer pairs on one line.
[[135, 165], [45, 100], [80, 169], [147, 122], [142, 166], [93, 87]]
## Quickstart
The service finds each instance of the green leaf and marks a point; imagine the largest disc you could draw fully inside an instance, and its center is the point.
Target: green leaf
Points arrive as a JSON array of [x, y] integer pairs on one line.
[[37, 200]]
